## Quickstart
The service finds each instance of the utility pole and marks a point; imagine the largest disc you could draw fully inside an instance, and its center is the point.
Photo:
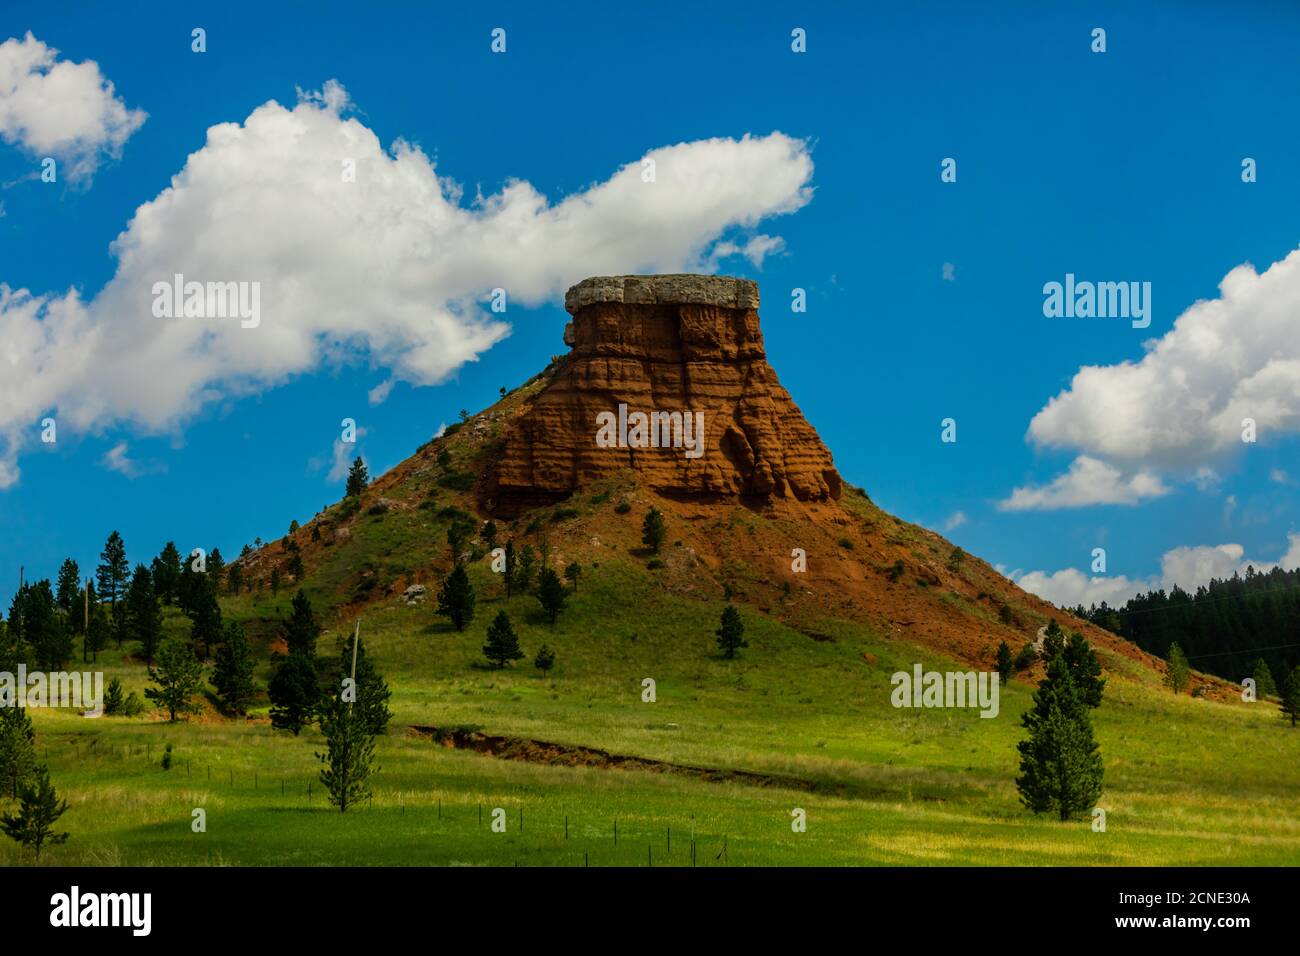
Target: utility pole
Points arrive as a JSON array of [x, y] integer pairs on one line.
[[356, 637], [85, 622]]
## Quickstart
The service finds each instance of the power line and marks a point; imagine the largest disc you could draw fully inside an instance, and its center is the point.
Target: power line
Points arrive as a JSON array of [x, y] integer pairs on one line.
[[1248, 650]]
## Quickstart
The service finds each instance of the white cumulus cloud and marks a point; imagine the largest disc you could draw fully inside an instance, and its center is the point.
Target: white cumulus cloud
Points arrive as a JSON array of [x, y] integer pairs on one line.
[[1187, 567], [1182, 404], [755, 250], [392, 268], [1089, 481], [54, 107], [117, 459]]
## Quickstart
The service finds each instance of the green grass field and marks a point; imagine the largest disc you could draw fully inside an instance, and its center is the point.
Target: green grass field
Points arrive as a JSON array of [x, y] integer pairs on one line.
[[1188, 781]]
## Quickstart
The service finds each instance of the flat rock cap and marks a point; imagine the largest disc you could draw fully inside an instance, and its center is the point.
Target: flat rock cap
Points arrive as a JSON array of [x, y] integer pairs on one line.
[[689, 289]]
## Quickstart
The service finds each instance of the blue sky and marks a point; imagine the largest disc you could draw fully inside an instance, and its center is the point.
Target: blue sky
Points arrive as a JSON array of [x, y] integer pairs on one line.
[[1115, 166]]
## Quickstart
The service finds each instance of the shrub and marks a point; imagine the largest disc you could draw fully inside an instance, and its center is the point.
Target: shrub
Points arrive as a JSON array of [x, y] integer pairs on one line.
[[655, 564], [896, 570], [622, 508], [564, 514], [348, 507], [846, 544], [600, 499], [654, 530], [378, 508], [457, 481], [451, 429], [113, 697], [1025, 659]]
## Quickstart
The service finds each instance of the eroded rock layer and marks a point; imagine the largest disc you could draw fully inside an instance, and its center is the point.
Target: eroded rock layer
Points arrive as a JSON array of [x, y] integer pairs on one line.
[[684, 344]]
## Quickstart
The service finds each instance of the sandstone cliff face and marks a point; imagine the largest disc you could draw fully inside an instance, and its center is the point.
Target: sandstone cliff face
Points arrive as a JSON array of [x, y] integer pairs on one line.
[[682, 344]]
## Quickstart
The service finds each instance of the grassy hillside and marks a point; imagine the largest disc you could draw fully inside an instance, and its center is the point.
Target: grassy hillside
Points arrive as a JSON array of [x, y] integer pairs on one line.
[[1188, 780], [801, 720]]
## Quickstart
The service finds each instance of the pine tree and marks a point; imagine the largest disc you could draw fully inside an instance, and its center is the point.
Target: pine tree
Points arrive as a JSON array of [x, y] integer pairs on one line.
[[1178, 673], [117, 623], [17, 749], [1291, 697], [573, 572], [502, 645], [301, 629], [275, 582], [178, 677], [232, 674], [1060, 765], [508, 572], [39, 808], [294, 691], [8, 649], [731, 635], [235, 578], [457, 535], [143, 615], [98, 631], [358, 478], [490, 534], [456, 599], [1085, 670], [653, 530], [114, 699], [1265, 686], [190, 585], [524, 569], [14, 651], [544, 660], [68, 589], [166, 570], [1053, 641], [372, 693], [113, 569], [349, 753], [551, 593], [216, 569], [43, 628], [1006, 663], [205, 619]]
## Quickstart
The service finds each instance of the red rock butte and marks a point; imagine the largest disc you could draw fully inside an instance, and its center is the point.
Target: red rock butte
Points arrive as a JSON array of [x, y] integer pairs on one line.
[[663, 344]]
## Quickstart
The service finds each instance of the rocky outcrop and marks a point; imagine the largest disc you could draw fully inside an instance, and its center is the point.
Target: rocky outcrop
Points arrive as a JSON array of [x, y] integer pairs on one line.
[[668, 376]]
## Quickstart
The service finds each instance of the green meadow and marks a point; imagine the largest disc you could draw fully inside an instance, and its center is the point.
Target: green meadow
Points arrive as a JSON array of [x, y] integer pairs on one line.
[[1188, 781]]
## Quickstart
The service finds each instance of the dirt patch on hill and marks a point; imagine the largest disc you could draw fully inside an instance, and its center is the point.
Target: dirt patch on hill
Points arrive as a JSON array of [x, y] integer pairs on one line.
[[567, 755]]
